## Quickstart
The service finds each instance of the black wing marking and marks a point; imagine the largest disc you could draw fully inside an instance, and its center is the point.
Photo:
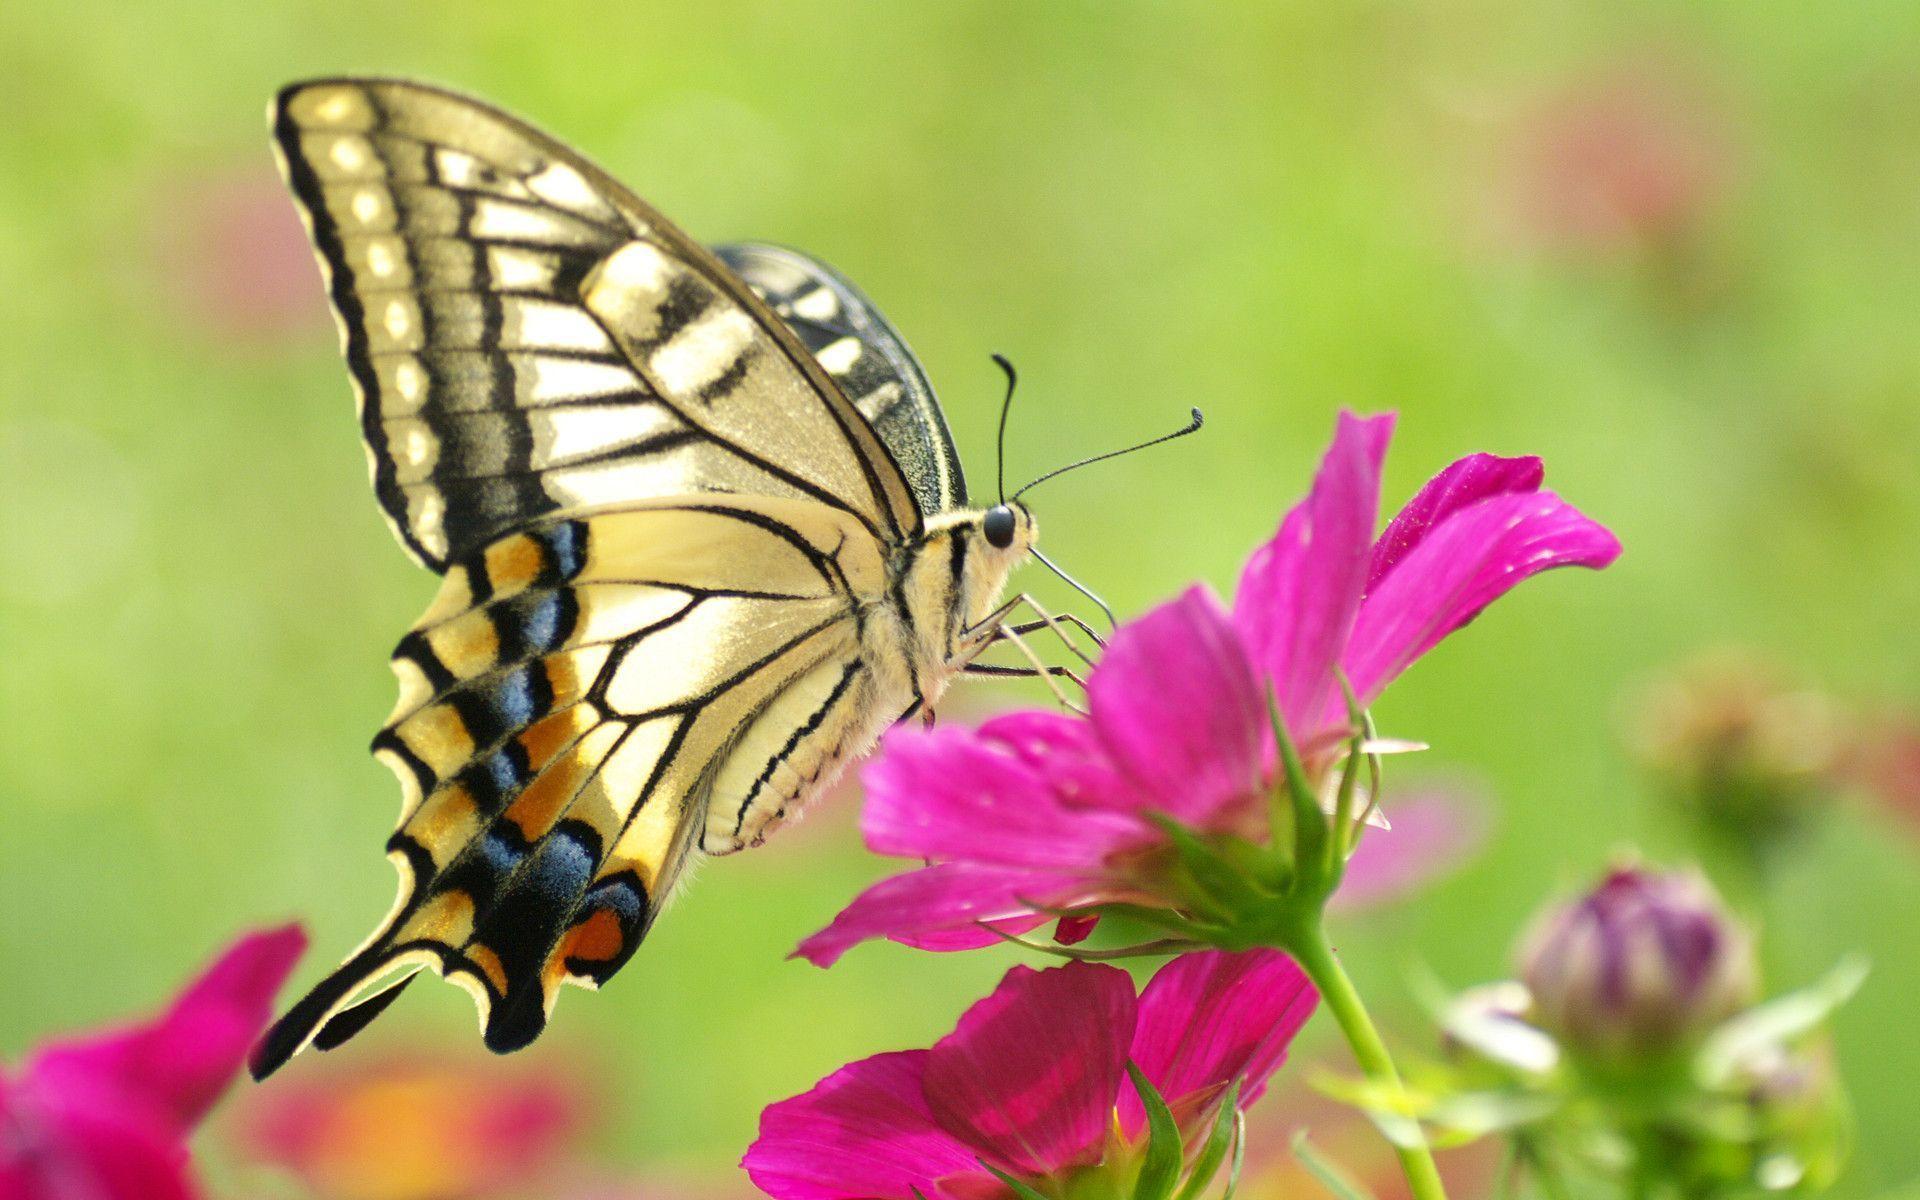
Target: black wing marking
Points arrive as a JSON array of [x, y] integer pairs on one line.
[[510, 361], [867, 357]]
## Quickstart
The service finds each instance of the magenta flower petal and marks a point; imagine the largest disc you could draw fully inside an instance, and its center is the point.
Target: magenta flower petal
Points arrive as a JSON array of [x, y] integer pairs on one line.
[[941, 907], [864, 1131], [71, 1153], [1299, 593], [1459, 568], [1178, 706], [1465, 482], [1207, 1019], [1434, 830], [107, 1115], [175, 1067], [1030, 1073], [1070, 756], [956, 794]]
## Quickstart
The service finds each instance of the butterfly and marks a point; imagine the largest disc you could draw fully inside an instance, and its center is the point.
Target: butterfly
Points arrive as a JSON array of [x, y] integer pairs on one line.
[[702, 531]]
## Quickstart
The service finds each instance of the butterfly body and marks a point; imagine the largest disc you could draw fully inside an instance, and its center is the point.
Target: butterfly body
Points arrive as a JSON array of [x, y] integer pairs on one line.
[[702, 532]]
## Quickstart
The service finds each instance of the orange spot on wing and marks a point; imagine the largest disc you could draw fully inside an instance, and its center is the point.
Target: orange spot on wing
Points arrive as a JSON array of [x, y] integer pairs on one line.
[[513, 562], [596, 939], [439, 738]]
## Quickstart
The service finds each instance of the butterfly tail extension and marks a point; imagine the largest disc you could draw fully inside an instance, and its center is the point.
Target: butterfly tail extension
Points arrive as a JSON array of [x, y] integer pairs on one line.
[[326, 1017]]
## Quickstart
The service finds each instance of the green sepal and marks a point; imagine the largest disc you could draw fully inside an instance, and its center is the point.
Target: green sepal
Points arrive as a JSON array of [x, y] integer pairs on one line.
[[1213, 1152], [1324, 1169], [1301, 817], [1022, 1190], [1239, 1154], [1778, 1021], [1175, 923], [1223, 890], [1342, 822], [1347, 823], [1160, 1171]]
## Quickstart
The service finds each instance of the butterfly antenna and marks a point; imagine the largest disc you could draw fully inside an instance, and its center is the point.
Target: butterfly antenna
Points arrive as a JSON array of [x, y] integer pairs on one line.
[[1077, 586], [1006, 406], [1192, 426]]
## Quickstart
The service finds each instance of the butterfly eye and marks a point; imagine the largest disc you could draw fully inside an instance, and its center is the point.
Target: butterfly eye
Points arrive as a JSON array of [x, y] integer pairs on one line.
[[999, 525]]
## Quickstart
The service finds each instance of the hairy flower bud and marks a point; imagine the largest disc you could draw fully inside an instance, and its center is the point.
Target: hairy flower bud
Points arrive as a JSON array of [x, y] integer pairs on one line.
[[1639, 967], [1744, 755]]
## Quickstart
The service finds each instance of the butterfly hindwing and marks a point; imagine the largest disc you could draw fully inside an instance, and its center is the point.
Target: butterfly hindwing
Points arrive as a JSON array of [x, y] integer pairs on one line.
[[525, 335], [577, 701]]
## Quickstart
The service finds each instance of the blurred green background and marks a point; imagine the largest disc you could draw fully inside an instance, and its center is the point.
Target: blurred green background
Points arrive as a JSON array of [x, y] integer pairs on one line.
[[1674, 249]]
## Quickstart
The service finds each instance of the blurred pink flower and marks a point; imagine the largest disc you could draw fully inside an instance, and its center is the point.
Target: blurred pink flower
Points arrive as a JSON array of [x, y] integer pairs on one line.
[[1886, 764], [107, 1116], [1035, 811], [230, 244], [415, 1129], [1033, 1081], [1622, 159], [1436, 827]]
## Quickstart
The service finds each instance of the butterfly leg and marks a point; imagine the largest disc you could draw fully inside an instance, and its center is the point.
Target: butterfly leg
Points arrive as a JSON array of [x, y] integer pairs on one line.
[[1039, 670], [1063, 618], [1048, 621]]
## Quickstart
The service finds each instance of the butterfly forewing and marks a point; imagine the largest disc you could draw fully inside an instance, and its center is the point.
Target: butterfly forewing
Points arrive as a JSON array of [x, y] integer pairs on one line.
[[526, 336], [867, 357]]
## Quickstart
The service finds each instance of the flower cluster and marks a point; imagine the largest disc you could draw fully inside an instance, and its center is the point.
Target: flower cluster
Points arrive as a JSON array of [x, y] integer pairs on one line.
[[1213, 789]]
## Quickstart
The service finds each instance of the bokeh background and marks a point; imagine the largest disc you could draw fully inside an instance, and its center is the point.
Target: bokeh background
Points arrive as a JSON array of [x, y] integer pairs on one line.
[[1675, 249]]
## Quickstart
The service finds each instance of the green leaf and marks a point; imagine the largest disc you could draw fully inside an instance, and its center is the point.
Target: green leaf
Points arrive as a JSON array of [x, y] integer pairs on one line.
[[1390, 1106], [1747, 1035], [1022, 1190], [1161, 1170], [1331, 1177], [1214, 1152], [1466, 1116]]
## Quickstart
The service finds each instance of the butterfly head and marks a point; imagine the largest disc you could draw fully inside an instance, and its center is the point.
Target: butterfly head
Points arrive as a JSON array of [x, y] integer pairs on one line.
[[1008, 528]]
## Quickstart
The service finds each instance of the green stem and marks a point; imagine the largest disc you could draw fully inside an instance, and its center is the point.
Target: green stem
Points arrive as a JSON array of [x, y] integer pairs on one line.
[[1309, 948]]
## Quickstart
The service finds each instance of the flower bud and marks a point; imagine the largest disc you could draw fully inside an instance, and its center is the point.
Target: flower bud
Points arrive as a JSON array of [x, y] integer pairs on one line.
[[1744, 755], [1639, 967]]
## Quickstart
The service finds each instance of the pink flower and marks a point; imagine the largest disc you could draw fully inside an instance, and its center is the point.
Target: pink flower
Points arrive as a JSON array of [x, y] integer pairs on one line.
[[1036, 812], [1435, 826], [228, 244], [416, 1128], [1033, 1081], [1624, 157], [106, 1117]]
